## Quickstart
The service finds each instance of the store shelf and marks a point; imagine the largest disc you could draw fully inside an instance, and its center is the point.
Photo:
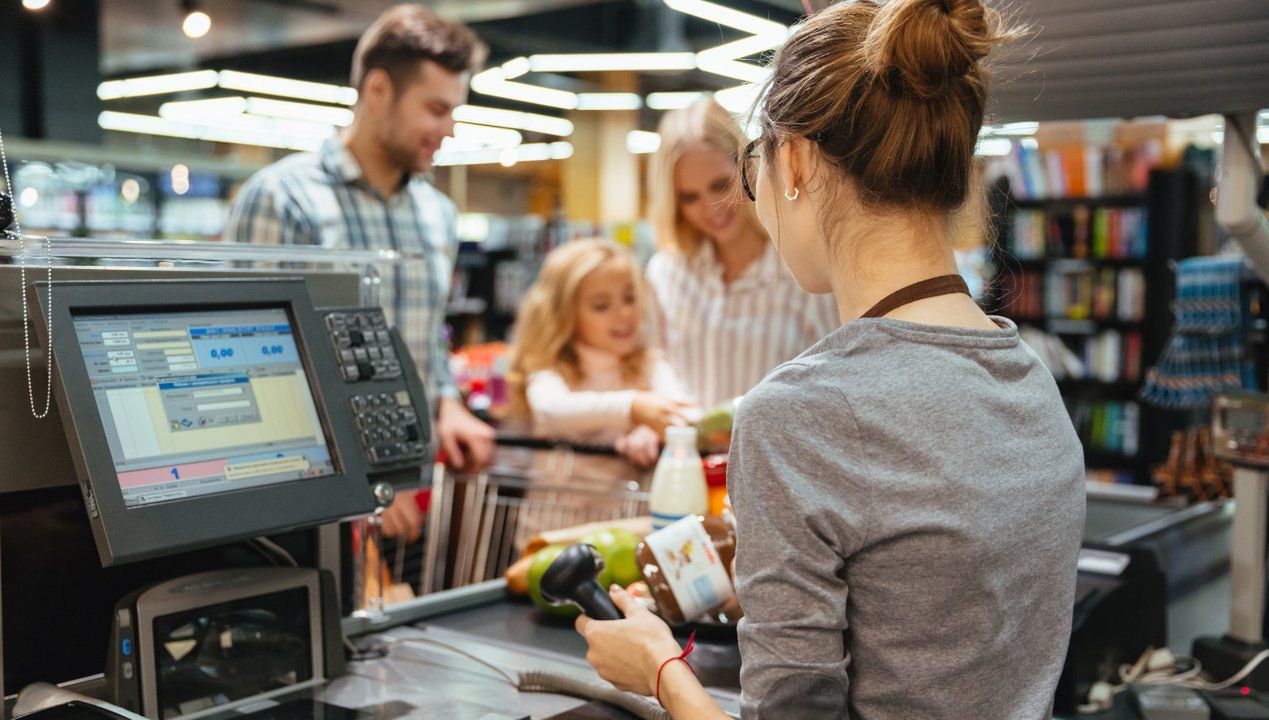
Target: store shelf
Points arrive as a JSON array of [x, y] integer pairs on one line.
[[1099, 458], [1129, 200], [1118, 388], [1066, 264], [1087, 326]]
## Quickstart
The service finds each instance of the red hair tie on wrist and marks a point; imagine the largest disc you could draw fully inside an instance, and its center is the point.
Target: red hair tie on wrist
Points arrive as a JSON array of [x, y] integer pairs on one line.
[[691, 640]]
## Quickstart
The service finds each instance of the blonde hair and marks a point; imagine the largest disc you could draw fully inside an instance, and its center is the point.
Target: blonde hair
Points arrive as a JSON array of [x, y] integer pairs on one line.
[[547, 320], [707, 124]]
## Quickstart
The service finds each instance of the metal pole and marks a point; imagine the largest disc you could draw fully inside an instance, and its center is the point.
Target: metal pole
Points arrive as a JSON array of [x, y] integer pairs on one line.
[[1247, 556]]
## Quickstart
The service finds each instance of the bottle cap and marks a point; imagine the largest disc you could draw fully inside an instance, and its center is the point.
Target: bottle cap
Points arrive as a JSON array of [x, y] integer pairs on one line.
[[681, 433], [716, 470]]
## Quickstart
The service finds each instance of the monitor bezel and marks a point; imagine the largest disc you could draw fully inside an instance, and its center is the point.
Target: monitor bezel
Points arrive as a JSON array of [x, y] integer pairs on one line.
[[126, 534]]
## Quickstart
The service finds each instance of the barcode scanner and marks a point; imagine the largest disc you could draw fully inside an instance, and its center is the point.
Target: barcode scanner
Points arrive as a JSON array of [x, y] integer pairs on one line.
[[571, 578]]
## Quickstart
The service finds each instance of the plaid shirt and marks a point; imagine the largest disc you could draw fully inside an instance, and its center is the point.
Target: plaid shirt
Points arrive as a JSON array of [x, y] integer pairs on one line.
[[321, 199]]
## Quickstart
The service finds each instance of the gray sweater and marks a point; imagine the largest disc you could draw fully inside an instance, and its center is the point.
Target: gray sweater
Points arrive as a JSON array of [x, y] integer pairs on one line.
[[909, 503]]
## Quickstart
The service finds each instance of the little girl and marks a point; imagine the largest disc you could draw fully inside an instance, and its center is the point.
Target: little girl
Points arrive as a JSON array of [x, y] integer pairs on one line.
[[580, 369]]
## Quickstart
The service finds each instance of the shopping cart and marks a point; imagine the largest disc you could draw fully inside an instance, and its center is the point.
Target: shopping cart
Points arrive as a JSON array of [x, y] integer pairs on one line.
[[478, 523]]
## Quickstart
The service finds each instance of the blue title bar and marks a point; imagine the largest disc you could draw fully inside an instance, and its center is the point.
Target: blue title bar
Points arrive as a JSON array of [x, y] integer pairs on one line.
[[240, 330], [203, 381]]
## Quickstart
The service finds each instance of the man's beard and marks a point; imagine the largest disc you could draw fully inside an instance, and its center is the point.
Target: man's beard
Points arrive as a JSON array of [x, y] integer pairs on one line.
[[408, 158]]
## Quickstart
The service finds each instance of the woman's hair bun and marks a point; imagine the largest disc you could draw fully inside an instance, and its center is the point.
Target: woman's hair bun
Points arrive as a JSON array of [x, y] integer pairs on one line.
[[927, 43]]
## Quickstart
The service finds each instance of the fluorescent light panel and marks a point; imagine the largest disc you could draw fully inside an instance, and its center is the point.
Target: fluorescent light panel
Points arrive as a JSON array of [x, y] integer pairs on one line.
[[738, 99], [523, 153], [599, 62], [226, 113], [529, 122], [285, 87], [285, 109], [609, 101], [494, 82], [993, 147], [197, 110], [486, 136], [726, 16], [672, 100], [157, 84], [153, 125], [516, 67], [640, 142]]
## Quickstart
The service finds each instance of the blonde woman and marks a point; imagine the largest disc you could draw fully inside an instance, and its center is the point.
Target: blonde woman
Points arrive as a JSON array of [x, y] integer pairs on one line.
[[580, 368], [729, 311]]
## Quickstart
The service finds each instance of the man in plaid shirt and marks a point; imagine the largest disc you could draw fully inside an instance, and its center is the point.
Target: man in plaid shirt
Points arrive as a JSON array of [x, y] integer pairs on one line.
[[366, 189]]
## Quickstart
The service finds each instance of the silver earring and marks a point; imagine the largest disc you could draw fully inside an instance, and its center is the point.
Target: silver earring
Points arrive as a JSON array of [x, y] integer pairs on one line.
[[792, 197]]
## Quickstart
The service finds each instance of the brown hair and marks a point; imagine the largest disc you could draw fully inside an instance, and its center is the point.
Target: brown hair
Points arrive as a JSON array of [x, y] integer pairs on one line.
[[406, 35], [893, 94], [706, 124]]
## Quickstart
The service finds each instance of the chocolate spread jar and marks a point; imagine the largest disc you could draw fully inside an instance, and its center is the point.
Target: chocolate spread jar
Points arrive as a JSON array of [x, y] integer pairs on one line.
[[687, 567]]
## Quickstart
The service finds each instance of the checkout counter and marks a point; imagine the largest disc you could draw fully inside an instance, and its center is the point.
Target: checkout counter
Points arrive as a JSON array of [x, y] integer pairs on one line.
[[219, 414], [140, 529]]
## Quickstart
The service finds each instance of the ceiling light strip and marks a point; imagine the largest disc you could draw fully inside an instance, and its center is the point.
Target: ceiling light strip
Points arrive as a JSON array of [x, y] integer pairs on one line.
[[726, 16], [530, 152], [600, 62], [494, 82], [672, 100], [157, 84], [641, 142], [529, 122], [285, 87], [154, 125], [609, 101]]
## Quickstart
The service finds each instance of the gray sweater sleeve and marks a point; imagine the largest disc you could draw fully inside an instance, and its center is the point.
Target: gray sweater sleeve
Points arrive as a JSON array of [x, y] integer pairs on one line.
[[789, 557]]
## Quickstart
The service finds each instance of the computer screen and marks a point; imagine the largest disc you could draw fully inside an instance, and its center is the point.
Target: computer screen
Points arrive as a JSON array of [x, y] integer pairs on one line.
[[200, 412], [200, 403]]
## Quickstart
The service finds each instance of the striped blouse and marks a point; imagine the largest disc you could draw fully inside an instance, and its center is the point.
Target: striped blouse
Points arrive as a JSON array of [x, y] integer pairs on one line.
[[722, 339]]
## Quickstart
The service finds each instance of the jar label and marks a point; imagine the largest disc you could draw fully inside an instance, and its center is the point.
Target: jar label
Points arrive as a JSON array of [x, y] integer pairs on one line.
[[691, 565]]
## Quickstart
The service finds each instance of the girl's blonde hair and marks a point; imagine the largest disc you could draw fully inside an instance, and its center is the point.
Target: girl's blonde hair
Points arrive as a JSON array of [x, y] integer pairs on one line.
[[707, 124], [547, 319]]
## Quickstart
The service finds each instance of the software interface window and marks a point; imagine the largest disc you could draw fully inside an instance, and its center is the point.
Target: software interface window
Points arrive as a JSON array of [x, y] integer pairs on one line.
[[202, 403]]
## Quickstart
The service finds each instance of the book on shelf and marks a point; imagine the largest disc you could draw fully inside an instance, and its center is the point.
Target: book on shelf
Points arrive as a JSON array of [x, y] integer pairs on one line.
[[1080, 292], [1079, 233], [1109, 477], [1110, 356], [1112, 427], [1076, 170]]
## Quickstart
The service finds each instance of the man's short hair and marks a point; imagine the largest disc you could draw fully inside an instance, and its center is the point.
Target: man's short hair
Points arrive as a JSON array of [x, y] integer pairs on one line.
[[406, 35]]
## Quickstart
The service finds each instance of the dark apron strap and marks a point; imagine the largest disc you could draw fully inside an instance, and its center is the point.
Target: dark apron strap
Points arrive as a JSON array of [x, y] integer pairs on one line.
[[934, 287]]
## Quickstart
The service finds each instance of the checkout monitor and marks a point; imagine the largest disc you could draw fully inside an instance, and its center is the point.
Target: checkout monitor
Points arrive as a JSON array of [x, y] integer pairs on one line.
[[197, 403], [197, 415]]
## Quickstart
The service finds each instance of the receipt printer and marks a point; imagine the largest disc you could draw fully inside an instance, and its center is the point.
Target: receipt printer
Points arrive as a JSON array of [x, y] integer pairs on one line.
[[220, 639]]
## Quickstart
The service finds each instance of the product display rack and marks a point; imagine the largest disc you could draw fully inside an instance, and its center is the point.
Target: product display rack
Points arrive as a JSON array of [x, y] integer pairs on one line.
[[1169, 202]]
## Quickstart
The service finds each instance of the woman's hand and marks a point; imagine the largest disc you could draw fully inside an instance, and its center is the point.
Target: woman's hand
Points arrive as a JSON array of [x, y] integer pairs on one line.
[[658, 411], [628, 653], [640, 446]]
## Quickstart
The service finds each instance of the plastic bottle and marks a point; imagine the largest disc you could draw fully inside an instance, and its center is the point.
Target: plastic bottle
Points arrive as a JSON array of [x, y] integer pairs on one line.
[[716, 481], [678, 484]]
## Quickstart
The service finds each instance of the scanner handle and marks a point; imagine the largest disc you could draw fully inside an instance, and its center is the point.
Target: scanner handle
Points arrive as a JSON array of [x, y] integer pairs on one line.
[[594, 601]]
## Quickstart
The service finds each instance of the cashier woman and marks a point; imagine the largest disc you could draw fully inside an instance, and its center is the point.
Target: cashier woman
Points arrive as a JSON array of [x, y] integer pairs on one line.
[[909, 490], [367, 189]]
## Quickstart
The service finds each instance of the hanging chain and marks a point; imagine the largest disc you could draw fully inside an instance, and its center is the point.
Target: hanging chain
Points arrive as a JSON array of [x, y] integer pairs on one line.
[[26, 325]]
